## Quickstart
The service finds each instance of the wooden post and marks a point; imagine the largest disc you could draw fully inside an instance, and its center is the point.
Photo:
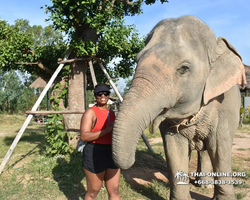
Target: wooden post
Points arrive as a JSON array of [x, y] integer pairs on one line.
[[25, 124], [92, 73], [110, 80], [121, 99], [55, 112], [47, 99]]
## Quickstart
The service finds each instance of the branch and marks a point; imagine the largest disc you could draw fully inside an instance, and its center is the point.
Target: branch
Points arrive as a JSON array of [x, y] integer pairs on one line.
[[112, 5], [20, 63], [129, 2], [30, 51], [8, 79], [66, 61], [100, 5], [39, 64], [78, 59]]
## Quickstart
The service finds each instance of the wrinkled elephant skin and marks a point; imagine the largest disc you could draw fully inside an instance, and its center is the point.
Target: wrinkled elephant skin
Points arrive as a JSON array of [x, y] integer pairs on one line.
[[187, 84]]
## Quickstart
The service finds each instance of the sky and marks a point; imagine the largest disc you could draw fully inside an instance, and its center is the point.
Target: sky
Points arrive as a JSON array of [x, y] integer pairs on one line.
[[227, 18]]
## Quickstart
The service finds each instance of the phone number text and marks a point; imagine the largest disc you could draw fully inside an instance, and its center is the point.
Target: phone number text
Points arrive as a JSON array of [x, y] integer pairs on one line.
[[218, 182]]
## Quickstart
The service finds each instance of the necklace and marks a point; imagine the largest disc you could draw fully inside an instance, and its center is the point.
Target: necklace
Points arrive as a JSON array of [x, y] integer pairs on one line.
[[103, 111]]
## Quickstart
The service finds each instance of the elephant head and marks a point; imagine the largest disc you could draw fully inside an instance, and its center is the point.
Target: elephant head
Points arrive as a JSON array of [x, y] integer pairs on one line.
[[182, 67]]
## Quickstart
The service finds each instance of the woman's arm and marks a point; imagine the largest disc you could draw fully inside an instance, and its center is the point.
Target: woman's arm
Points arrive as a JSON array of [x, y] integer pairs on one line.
[[87, 121]]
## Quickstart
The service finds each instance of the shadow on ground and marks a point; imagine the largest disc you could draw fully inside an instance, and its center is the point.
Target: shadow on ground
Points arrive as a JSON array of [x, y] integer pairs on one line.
[[149, 177], [143, 178], [69, 175], [31, 135], [199, 196]]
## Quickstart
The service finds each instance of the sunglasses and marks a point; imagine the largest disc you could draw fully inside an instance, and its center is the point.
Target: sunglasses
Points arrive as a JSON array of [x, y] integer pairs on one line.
[[99, 94]]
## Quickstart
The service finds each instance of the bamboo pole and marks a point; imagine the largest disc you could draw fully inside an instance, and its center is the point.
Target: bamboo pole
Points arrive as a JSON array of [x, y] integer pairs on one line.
[[121, 99], [25, 124], [92, 73], [55, 112], [110, 80]]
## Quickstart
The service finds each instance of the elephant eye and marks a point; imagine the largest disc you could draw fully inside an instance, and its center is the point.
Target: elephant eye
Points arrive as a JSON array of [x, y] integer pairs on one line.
[[183, 69]]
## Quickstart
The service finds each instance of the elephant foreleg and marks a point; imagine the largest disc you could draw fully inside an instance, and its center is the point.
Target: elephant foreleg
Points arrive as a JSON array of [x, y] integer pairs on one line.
[[204, 166], [177, 156], [221, 161]]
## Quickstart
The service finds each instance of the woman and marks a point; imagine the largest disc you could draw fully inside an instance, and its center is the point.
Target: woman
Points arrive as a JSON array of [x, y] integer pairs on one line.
[[96, 128]]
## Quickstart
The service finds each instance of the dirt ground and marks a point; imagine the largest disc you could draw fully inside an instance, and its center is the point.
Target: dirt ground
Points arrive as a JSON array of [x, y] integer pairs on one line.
[[141, 176]]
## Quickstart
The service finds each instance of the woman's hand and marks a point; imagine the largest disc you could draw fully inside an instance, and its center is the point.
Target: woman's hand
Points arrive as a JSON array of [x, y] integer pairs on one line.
[[109, 127]]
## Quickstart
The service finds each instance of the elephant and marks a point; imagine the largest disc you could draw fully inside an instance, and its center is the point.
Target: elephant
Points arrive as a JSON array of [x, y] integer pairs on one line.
[[186, 83]]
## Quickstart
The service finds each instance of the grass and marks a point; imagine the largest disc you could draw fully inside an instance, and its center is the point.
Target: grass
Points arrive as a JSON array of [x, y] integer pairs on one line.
[[240, 195], [31, 175], [246, 126], [242, 149]]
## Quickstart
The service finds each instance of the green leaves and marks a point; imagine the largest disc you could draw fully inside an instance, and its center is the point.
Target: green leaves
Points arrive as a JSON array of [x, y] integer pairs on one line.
[[123, 42], [15, 95], [21, 43], [12, 43], [57, 137], [96, 27]]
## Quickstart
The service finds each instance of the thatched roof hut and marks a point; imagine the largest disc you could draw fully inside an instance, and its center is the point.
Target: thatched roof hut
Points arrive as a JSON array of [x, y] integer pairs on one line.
[[38, 83]]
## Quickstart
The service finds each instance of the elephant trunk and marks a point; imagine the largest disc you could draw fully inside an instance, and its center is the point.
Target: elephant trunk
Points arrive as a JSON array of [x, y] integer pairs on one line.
[[138, 109]]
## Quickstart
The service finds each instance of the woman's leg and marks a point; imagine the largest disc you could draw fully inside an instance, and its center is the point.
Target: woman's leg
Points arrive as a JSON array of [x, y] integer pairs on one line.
[[112, 180], [94, 184]]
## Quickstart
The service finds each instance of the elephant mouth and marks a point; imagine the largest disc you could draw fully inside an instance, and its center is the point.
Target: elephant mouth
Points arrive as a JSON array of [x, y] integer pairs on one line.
[[187, 122], [156, 122], [175, 123]]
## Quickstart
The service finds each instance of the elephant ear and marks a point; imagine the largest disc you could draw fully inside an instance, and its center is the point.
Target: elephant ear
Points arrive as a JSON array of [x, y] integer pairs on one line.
[[226, 71]]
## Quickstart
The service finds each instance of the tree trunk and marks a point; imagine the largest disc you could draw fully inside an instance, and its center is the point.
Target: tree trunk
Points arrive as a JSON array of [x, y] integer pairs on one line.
[[76, 100], [77, 87]]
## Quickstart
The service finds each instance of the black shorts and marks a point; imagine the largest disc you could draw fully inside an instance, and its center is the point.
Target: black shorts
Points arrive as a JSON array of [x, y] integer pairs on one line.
[[98, 157]]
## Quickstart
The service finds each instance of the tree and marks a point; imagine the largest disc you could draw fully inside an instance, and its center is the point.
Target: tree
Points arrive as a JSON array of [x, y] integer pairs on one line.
[[10, 92], [128, 84], [15, 96], [35, 50], [32, 49], [96, 30]]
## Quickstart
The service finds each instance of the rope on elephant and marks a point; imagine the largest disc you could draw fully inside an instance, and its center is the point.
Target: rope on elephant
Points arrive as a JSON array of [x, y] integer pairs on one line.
[[193, 127]]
